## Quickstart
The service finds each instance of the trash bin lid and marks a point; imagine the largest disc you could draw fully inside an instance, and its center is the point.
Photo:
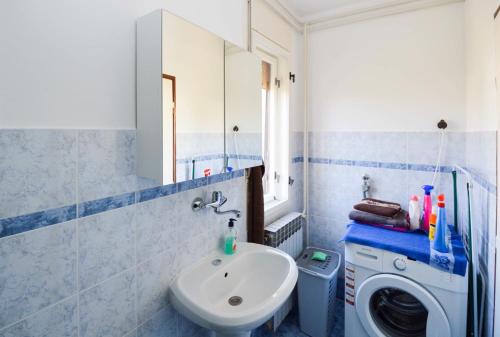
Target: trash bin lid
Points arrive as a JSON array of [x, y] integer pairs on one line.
[[325, 269]]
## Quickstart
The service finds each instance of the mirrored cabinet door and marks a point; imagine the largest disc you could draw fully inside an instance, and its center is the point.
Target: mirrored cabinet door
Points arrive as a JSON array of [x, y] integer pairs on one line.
[[243, 107], [199, 102], [180, 99]]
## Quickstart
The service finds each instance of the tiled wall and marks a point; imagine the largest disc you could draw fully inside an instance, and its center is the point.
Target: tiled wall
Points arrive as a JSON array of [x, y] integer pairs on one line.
[[398, 164], [87, 248], [244, 149], [296, 194], [481, 162], [207, 149]]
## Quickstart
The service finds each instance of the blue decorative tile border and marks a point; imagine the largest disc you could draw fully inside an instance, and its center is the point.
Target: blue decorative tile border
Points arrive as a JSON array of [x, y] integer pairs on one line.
[[245, 156], [491, 188], [484, 183], [27, 222], [200, 158], [24, 223], [377, 164], [92, 207], [155, 192], [218, 156]]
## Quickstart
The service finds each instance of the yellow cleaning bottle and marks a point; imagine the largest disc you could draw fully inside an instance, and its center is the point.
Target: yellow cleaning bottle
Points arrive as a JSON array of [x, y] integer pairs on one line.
[[432, 223]]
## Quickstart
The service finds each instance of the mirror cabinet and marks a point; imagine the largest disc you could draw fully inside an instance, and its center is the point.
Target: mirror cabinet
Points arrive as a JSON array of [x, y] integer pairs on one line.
[[198, 102]]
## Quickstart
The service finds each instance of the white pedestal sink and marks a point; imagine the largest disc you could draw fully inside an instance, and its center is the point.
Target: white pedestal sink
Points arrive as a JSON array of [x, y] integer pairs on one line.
[[234, 294]]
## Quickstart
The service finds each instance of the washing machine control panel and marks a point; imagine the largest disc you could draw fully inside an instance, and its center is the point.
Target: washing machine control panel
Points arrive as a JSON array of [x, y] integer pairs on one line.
[[399, 263]]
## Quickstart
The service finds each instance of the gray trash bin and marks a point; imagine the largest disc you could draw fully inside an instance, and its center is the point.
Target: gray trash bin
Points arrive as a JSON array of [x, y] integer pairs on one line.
[[317, 288]]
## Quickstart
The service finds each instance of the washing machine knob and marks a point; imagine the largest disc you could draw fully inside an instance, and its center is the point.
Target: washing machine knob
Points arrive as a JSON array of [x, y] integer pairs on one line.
[[399, 264]]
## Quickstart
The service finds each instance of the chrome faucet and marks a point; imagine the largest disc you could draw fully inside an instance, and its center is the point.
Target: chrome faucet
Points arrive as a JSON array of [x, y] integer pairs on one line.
[[234, 211], [217, 201]]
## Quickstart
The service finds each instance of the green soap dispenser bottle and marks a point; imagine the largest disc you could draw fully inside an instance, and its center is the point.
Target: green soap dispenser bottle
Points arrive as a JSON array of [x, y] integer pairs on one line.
[[230, 238]]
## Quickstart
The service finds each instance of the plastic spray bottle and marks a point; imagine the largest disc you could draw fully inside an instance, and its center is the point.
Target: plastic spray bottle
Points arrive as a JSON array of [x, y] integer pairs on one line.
[[414, 213], [432, 223], [427, 207], [440, 243]]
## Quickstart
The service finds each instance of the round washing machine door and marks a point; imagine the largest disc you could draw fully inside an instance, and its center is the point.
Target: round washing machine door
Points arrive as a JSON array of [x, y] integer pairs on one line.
[[393, 306]]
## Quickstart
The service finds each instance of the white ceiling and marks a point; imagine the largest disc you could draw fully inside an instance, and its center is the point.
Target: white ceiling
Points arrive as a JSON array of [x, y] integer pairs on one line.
[[317, 10], [322, 14], [304, 8]]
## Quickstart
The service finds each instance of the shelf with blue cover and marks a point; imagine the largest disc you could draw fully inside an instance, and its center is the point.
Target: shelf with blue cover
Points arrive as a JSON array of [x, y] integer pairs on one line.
[[415, 245]]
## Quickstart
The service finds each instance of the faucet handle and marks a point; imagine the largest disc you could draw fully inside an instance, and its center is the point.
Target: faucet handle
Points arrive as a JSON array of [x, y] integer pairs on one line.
[[218, 198]]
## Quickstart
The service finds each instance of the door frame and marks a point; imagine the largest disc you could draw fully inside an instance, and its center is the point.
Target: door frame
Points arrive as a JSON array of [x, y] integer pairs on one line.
[[174, 116]]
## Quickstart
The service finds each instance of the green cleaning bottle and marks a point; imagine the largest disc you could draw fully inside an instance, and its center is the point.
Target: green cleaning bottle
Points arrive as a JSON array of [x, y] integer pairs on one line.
[[230, 238]]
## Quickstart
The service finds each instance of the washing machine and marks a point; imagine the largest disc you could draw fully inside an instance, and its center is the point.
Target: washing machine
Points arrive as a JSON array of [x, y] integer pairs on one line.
[[391, 295]]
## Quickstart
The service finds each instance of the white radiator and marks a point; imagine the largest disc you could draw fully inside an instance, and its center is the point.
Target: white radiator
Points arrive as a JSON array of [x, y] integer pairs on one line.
[[286, 234]]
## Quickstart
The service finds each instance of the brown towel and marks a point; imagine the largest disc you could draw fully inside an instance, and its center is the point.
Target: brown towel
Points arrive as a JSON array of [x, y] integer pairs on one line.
[[399, 220], [378, 207], [255, 205]]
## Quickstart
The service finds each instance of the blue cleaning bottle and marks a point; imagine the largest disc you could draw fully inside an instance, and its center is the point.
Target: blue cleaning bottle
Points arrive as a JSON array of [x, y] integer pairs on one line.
[[440, 242]]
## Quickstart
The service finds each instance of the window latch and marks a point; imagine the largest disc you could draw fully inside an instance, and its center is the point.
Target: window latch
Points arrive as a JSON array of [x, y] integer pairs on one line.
[[276, 177], [277, 82]]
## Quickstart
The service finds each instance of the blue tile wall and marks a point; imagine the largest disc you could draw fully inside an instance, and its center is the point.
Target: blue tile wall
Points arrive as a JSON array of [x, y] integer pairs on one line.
[[37, 269], [109, 243], [108, 309], [111, 235], [37, 170], [24, 223], [399, 163], [207, 149], [481, 161], [164, 324], [153, 280], [89, 249], [296, 190], [60, 319], [106, 163]]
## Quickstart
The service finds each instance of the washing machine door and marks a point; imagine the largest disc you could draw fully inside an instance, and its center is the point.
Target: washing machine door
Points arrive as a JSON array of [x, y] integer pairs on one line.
[[393, 306]]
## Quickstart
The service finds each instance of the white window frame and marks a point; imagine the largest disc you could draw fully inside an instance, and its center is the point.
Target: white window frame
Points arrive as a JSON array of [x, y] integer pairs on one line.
[[278, 57], [272, 104]]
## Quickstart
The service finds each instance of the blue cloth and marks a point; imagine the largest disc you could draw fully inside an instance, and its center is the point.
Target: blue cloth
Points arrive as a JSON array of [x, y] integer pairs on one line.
[[415, 245]]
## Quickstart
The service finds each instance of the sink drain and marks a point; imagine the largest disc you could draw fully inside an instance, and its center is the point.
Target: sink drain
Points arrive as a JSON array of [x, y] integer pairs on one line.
[[235, 300]]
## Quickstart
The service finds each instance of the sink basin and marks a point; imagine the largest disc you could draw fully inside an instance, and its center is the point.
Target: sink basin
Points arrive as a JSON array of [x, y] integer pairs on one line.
[[233, 294]]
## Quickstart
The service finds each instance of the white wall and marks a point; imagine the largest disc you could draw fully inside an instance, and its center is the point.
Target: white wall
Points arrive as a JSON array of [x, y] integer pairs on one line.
[[243, 93], [480, 65], [196, 58], [269, 24], [71, 64], [397, 73], [297, 88]]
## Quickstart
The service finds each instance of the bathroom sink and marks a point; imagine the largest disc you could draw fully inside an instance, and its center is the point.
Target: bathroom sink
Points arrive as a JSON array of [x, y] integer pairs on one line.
[[233, 294]]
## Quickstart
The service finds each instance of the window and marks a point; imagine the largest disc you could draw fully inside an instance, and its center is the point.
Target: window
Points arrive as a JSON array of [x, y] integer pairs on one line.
[[275, 130], [267, 111]]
